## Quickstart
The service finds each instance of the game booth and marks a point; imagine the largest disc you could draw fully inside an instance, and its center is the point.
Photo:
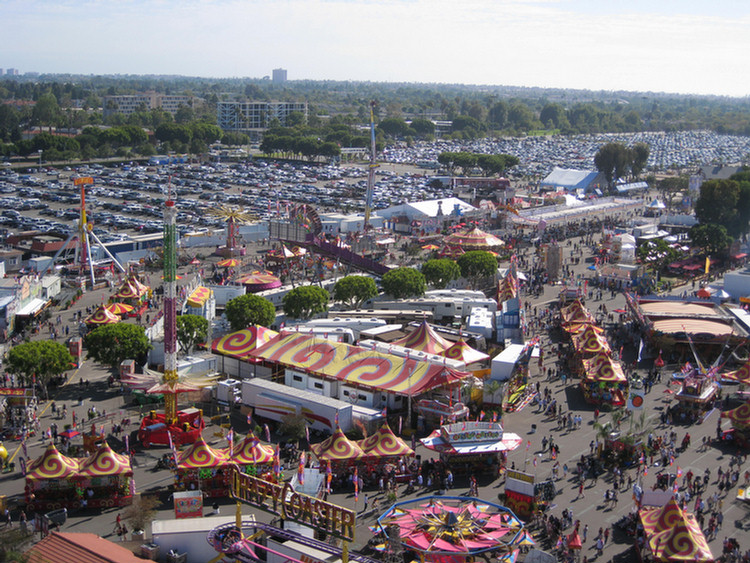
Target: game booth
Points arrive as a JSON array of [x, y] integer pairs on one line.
[[385, 452], [472, 447], [135, 294], [102, 480], [603, 380], [670, 534], [524, 495], [201, 467], [740, 419], [695, 398]]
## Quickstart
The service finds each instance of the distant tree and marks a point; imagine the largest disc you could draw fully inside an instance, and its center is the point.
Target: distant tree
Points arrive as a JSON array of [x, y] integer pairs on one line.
[[423, 127], [717, 203], [498, 114], [492, 164], [638, 157], [111, 344], [355, 290], [170, 132], [191, 330], [440, 272], [554, 115], [613, 160], [404, 282], [393, 126], [46, 110], [477, 264], [248, 310], [293, 427], [711, 238], [44, 359], [671, 187], [657, 254], [234, 139], [305, 301]]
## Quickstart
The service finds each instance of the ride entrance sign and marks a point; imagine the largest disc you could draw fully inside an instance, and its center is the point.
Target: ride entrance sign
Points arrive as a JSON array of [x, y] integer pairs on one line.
[[282, 500]]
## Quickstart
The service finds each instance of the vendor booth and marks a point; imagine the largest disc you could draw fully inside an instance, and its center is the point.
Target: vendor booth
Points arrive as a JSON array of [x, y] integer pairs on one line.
[[603, 380], [695, 398], [254, 458], [133, 292], [670, 534], [524, 495], [385, 453], [102, 480], [740, 419], [472, 447], [201, 467]]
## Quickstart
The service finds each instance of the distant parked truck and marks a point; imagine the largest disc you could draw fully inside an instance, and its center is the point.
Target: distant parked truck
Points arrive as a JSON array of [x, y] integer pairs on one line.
[[273, 401]]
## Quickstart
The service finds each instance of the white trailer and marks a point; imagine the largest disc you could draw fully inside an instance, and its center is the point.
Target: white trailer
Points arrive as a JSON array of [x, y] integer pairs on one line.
[[274, 401]]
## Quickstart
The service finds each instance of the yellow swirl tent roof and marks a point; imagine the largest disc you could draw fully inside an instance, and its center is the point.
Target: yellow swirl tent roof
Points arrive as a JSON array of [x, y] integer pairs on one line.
[[602, 367], [200, 455], [463, 352], [251, 451], [337, 448], [673, 534], [52, 465], [239, 344], [384, 443], [104, 462], [424, 339]]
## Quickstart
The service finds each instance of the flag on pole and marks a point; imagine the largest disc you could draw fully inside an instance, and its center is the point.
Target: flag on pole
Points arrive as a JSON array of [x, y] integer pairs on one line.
[[336, 419], [494, 416], [127, 444], [384, 412], [277, 463], [356, 485], [528, 445], [708, 264], [329, 476], [400, 423], [307, 433], [250, 419], [230, 439], [481, 415], [645, 470], [268, 432], [301, 469], [679, 472]]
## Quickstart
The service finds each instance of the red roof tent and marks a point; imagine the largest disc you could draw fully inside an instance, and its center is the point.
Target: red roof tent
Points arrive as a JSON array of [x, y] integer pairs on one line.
[[81, 548]]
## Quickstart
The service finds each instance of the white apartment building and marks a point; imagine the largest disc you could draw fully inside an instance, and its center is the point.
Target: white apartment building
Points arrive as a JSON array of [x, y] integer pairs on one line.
[[253, 117]]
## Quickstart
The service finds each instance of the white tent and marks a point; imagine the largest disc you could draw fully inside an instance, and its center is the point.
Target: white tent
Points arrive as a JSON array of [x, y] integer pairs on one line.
[[656, 204]]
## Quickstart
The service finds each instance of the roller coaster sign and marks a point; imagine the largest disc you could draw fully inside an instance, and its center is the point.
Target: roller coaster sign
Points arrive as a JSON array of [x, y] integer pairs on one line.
[[283, 501]]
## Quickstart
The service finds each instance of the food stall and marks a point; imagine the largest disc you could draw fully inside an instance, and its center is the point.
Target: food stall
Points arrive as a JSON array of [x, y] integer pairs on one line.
[[384, 451], [472, 447], [524, 495], [253, 457], [695, 398], [201, 467], [603, 380]]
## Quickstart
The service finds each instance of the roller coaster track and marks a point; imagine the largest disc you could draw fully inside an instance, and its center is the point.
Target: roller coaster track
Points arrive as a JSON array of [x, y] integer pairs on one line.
[[241, 551], [344, 255]]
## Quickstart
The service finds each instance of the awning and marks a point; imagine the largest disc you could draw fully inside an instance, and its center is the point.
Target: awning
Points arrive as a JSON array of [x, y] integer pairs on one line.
[[199, 296], [31, 308], [739, 256]]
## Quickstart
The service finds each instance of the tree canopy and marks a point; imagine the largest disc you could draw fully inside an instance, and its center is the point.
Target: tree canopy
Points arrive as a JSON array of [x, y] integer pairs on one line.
[[404, 282], [191, 330], [711, 238], [247, 310], [111, 344], [439, 272], [305, 301], [613, 160], [43, 358], [477, 264], [355, 290], [718, 203]]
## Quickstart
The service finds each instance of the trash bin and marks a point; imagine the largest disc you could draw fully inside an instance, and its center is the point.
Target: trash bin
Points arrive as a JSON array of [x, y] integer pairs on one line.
[[150, 551], [533, 428]]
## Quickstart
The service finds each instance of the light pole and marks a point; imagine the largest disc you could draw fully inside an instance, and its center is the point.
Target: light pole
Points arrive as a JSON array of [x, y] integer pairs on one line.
[[40, 151]]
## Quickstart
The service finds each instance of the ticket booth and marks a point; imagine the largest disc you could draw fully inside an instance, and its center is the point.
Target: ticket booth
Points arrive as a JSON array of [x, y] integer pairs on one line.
[[127, 368]]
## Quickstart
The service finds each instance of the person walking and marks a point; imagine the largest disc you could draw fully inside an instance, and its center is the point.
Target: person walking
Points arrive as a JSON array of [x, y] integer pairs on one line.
[[581, 494]]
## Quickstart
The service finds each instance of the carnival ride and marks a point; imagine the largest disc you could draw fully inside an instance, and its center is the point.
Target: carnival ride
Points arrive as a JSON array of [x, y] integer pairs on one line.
[[233, 217], [82, 261]]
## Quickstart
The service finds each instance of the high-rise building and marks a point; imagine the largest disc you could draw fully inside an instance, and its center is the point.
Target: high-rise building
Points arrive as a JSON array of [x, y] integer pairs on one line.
[[253, 117], [279, 75], [149, 100], [11, 72]]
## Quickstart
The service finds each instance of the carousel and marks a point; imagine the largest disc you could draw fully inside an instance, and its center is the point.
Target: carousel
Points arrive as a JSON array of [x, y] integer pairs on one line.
[[455, 529], [473, 238]]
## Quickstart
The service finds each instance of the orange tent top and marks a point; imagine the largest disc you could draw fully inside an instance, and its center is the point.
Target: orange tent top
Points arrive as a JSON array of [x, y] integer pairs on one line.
[[575, 312], [473, 238], [52, 465], [424, 339], [337, 448]]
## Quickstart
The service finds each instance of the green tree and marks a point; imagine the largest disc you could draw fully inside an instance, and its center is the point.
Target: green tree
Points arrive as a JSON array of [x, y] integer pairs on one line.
[[638, 158], [440, 272], [717, 203], [613, 160], [355, 290], [713, 239], [404, 282], [477, 264], [657, 253], [191, 330], [670, 188], [43, 358], [305, 301], [46, 110], [111, 344], [393, 126], [247, 310], [293, 427], [554, 115], [423, 127]]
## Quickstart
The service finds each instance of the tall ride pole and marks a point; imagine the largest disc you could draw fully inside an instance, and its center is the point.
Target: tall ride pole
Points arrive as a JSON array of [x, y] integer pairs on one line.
[[371, 171], [170, 308]]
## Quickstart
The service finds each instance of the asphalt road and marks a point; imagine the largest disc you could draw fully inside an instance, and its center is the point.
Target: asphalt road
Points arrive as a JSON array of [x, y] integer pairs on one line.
[[590, 510]]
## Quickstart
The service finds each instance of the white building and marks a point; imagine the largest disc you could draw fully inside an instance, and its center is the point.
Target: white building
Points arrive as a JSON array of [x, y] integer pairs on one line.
[[253, 117]]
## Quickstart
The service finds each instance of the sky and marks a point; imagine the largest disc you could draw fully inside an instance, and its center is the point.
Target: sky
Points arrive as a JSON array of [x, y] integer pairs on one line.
[[675, 46]]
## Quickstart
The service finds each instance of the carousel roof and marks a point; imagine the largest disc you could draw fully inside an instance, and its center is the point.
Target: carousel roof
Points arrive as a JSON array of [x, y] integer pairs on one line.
[[132, 289], [200, 455], [673, 534], [337, 448], [473, 238], [739, 416], [102, 316], [259, 281], [104, 462], [239, 344], [463, 352], [384, 443], [251, 451], [602, 367], [52, 465], [424, 339]]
